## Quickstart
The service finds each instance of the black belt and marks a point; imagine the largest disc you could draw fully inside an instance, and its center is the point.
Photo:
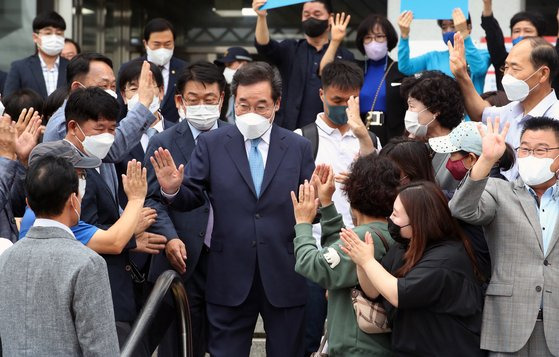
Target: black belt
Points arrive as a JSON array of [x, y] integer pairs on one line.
[[540, 315]]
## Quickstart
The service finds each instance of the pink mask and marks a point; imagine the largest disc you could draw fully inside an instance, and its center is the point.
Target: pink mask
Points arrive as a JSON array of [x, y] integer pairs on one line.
[[376, 50]]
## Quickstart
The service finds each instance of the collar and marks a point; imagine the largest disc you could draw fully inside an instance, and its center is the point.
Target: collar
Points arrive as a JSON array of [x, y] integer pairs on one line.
[[265, 137], [321, 124], [44, 222], [554, 190], [541, 108], [159, 126], [196, 132], [166, 66], [44, 65]]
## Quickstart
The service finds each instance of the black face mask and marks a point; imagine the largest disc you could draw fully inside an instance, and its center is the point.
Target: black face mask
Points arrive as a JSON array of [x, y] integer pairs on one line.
[[314, 27], [394, 231]]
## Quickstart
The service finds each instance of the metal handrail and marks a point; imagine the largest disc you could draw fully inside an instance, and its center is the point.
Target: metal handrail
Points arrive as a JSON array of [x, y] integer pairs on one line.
[[169, 279]]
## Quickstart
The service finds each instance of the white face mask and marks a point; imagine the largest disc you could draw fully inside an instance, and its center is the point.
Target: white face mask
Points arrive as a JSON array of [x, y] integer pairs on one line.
[[153, 107], [111, 92], [252, 125], [81, 187], [411, 121], [160, 56], [535, 170], [75, 208], [517, 89], [228, 73], [52, 45], [97, 145], [202, 117]]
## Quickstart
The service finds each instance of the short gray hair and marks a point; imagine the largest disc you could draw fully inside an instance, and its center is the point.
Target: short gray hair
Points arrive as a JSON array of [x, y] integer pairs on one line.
[[256, 72]]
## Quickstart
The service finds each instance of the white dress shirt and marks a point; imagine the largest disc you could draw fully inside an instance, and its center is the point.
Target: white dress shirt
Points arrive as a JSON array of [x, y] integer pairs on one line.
[[144, 140], [44, 222], [165, 73], [263, 145], [339, 151], [50, 74], [514, 114]]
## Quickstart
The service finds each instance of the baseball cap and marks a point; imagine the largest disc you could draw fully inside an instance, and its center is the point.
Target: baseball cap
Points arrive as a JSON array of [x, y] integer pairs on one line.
[[234, 54], [65, 150], [465, 137]]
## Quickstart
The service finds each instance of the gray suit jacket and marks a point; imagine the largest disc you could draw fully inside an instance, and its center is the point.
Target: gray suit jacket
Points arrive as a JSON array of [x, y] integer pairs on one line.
[[522, 275], [55, 298]]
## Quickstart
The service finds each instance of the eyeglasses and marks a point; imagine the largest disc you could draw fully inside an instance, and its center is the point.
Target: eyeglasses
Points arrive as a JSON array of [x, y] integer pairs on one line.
[[374, 37], [191, 101], [539, 152], [261, 109]]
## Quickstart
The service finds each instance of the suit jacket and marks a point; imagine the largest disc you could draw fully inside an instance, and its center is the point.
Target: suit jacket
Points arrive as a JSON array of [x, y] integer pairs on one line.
[[58, 306], [248, 230], [190, 226], [3, 76], [168, 108], [27, 73], [100, 208], [12, 197], [521, 273]]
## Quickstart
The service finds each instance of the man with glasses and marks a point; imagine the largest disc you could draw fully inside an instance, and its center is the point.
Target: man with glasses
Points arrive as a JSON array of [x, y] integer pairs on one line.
[[529, 70], [198, 98], [45, 71], [247, 171], [520, 223]]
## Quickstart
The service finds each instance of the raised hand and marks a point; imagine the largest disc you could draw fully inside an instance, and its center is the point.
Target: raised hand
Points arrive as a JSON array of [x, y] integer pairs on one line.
[[168, 175], [256, 5], [360, 252], [147, 87], [150, 243], [147, 218], [339, 24], [460, 22], [404, 22], [457, 54], [354, 118], [493, 144], [305, 208], [323, 181], [8, 138], [176, 254], [134, 182], [28, 139], [487, 8], [25, 118]]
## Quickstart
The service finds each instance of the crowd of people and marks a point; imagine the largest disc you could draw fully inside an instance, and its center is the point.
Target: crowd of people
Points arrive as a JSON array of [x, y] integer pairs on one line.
[[369, 207]]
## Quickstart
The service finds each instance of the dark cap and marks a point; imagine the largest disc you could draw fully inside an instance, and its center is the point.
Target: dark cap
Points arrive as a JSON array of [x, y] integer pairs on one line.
[[66, 151], [234, 54]]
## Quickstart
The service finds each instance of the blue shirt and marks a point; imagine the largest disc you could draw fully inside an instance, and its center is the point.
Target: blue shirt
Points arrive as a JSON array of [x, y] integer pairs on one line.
[[478, 62], [548, 210], [373, 75], [82, 231]]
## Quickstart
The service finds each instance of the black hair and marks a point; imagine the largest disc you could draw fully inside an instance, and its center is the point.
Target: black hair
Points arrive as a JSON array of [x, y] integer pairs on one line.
[[203, 72], [327, 5], [91, 103], [48, 184], [53, 102], [368, 24], [131, 72], [439, 93], [157, 25], [544, 54], [79, 65], [344, 75], [541, 123], [468, 21], [48, 19], [78, 48], [372, 185], [411, 156], [256, 72], [22, 99], [534, 18]]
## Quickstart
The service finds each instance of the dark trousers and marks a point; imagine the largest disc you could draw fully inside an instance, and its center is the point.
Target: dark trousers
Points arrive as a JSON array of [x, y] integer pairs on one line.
[[315, 316], [166, 321], [231, 327]]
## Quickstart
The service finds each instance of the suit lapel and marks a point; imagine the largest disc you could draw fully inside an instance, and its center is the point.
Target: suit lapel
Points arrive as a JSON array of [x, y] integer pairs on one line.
[[103, 184], [37, 73], [237, 151], [184, 140], [172, 82], [61, 73], [276, 151], [530, 209]]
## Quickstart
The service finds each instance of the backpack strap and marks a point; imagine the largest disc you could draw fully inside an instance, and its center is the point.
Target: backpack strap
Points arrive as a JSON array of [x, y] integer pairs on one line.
[[382, 239], [373, 138], [310, 131]]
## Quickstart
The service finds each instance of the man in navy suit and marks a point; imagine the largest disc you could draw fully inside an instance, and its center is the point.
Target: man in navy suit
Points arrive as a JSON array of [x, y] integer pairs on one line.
[[248, 171], [159, 42], [45, 71], [200, 96]]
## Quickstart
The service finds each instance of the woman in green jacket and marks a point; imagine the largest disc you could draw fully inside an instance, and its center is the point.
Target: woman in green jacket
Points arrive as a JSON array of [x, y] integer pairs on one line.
[[371, 189]]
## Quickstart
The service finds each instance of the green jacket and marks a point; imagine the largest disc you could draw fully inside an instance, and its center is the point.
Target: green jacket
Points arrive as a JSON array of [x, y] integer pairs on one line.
[[344, 336]]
